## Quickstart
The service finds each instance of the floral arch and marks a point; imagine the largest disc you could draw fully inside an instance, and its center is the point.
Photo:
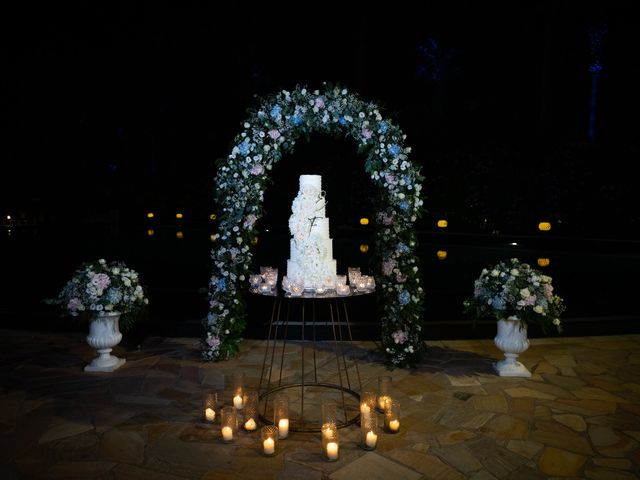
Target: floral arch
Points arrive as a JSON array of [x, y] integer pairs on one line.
[[272, 130]]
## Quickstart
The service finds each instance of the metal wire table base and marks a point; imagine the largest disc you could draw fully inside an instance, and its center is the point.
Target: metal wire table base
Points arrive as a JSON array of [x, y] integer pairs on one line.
[[311, 384]]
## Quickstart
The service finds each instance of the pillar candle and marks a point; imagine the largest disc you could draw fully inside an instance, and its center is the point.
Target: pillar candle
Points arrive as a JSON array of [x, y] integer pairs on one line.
[[269, 446], [371, 439], [332, 450], [283, 428], [227, 434], [210, 414]]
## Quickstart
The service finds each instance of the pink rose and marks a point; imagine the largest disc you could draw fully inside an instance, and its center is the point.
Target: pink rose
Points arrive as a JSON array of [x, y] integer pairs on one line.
[[366, 133], [390, 178], [387, 219], [388, 266], [400, 336], [257, 169], [275, 134], [319, 103], [100, 281], [74, 304], [213, 342]]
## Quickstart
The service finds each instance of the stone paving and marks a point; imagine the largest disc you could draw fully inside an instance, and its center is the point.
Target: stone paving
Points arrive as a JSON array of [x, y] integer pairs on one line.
[[577, 417]]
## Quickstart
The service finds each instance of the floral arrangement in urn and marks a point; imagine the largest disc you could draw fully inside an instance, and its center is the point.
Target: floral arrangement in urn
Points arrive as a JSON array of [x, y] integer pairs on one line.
[[103, 287], [514, 289]]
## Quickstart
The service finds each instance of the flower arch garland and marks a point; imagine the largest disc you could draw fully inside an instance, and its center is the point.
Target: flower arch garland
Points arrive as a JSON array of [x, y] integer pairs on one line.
[[272, 130]]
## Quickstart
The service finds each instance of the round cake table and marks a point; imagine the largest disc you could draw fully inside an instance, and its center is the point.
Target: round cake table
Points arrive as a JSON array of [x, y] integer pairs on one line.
[[309, 369]]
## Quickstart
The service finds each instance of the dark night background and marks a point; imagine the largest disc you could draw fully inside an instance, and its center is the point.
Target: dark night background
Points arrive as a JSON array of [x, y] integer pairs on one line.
[[110, 111]]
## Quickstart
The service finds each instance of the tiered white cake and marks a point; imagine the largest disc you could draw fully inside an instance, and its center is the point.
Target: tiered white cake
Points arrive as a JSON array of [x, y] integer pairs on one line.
[[311, 264]]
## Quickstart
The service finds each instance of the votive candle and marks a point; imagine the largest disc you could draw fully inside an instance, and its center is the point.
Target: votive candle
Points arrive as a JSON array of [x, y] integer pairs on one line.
[[372, 439], [250, 425], [210, 414], [269, 437], [227, 434], [332, 450], [383, 401], [283, 428], [269, 446]]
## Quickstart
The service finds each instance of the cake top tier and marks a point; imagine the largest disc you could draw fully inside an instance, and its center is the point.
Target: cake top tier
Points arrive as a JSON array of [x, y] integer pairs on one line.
[[313, 181]]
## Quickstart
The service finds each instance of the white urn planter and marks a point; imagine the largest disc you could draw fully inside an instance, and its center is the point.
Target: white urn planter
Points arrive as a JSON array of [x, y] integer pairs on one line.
[[512, 340], [104, 334]]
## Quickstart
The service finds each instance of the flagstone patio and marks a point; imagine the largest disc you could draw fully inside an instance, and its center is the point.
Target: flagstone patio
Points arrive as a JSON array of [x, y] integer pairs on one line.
[[578, 416]]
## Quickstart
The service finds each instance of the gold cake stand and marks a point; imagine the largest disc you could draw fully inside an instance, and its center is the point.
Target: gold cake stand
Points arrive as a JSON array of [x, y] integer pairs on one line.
[[328, 370]]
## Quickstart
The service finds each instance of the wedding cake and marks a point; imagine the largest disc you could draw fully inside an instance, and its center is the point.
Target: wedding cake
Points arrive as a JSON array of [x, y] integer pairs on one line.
[[311, 264]]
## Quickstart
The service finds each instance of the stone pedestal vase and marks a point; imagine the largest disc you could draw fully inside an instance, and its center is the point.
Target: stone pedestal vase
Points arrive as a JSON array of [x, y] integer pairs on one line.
[[104, 334], [512, 340]]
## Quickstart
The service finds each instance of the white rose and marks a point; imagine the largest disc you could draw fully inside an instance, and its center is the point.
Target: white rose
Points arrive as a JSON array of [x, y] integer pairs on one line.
[[514, 272], [525, 293], [495, 273], [538, 309]]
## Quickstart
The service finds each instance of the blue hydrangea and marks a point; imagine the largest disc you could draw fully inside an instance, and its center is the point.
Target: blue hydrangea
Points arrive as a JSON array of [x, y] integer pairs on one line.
[[276, 111], [296, 119], [402, 248], [244, 148], [221, 284], [404, 205], [114, 296], [342, 120], [404, 297], [212, 319], [383, 127], [394, 149], [498, 303]]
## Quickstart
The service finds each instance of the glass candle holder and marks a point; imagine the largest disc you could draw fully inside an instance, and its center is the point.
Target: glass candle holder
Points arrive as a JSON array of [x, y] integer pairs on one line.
[[330, 442], [341, 279], [321, 290], [354, 274], [209, 406], [281, 415], [384, 392], [369, 431], [271, 277], [370, 283], [265, 288], [228, 424], [296, 289], [269, 436], [255, 280], [238, 390], [392, 417], [367, 405], [361, 282], [329, 413], [343, 290], [250, 411], [286, 284]]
